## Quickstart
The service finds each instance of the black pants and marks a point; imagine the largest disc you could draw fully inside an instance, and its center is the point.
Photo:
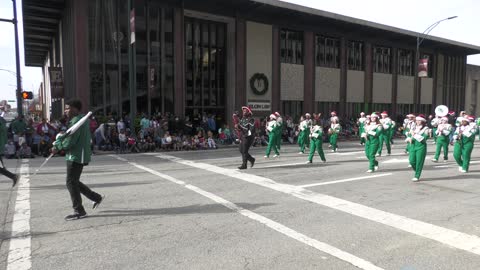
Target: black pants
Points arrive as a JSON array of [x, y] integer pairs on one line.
[[244, 147], [6, 172], [76, 188]]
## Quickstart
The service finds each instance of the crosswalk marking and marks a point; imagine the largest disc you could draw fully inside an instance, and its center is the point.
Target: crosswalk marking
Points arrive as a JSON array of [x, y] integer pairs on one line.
[[459, 240], [321, 246], [19, 254], [346, 180]]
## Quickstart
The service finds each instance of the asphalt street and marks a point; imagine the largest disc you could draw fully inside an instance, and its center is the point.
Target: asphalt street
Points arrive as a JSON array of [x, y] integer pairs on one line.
[[195, 210]]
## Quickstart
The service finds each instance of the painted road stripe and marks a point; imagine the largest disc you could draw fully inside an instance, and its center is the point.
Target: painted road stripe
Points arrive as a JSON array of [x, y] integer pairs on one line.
[[345, 180], [280, 165], [347, 153], [324, 247], [463, 241], [19, 254]]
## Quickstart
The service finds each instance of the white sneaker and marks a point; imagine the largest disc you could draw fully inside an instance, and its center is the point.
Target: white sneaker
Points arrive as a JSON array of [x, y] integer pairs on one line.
[[377, 155], [330, 146], [445, 161], [300, 153], [460, 169], [308, 162], [333, 151], [409, 166], [434, 160], [369, 171], [463, 171], [415, 179], [276, 156], [376, 168], [266, 156]]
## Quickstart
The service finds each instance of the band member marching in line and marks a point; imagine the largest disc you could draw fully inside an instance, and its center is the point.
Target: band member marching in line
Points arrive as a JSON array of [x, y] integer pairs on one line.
[[247, 129], [418, 145], [385, 137], [280, 131], [373, 131], [316, 141], [333, 115], [304, 128], [361, 127], [408, 125], [333, 132], [464, 138], [273, 130], [442, 134], [435, 122]]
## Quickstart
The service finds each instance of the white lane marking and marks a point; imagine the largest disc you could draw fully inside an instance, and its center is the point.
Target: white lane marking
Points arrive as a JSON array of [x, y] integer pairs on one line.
[[321, 246], [459, 240], [19, 254], [347, 153], [280, 165], [442, 166], [345, 180], [396, 160]]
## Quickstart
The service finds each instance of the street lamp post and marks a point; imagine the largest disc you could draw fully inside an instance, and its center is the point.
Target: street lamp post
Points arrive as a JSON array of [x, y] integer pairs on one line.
[[17, 57], [420, 38]]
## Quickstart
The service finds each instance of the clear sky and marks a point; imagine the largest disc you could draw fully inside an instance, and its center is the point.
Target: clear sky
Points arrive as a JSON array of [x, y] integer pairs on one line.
[[394, 13]]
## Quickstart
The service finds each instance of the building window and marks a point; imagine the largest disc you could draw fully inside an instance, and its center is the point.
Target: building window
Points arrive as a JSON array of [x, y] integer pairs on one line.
[[382, 60], [291, 47], [429, 65], [406, 65], [355, 55], [327, 52]]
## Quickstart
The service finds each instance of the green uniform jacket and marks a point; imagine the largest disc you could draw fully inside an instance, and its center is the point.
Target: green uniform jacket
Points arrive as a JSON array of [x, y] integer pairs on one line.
[[3, 135], [77, 145], [471, 138]]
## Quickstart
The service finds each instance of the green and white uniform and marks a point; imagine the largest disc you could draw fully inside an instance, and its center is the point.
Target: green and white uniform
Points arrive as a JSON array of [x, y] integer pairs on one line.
[[304, 128], [334, 130], [361, 128], [418, 148], [408, 126], [385, 137], [273, 128], [464, 138], [316, 140], [435, 123], [372, 135], [442, 134]]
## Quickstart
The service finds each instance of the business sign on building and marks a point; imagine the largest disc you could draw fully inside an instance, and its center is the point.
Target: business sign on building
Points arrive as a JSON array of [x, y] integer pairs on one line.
[[423, 67], [259, 106], [56, 82]]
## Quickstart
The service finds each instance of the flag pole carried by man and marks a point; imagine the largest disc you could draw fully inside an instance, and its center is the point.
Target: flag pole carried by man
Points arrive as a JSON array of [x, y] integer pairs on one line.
[[78, 154]]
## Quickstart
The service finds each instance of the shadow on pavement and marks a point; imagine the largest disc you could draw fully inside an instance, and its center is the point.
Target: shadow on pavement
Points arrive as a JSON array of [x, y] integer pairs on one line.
[[102, 185], [185, 210]]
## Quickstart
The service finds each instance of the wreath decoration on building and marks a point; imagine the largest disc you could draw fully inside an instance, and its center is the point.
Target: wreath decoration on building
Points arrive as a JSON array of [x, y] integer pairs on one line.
[[259, 84]]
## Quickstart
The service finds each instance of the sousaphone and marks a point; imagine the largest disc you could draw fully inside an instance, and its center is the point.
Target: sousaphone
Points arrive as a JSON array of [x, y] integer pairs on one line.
[[441, 110]]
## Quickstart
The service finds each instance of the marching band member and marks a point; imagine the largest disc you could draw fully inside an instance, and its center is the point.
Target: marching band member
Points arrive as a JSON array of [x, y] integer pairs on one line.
[[464, 136], [316, 140], [304, 128], [385, 137], [373, 130], [247, 128], [434, 123], [361, 127], [333, 132], [418, 145], [408, 125], [273, 128], [442, 133], [280, 131]]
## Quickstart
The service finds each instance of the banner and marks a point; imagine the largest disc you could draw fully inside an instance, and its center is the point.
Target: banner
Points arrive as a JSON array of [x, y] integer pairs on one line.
[[423, 67], [56, 82]]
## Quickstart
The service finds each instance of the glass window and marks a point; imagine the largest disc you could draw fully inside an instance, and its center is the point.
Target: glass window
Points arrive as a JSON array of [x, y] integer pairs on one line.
[[406, 62], [291, 47], [355, 55], [382, 59], [327, 51]]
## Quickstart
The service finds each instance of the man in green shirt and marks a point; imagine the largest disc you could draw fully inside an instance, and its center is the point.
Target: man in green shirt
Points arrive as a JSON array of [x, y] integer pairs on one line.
[[3, 141], [78, 153]]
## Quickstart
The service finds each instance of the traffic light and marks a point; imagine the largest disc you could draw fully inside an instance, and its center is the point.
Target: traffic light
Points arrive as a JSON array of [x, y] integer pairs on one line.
[[27, 95]]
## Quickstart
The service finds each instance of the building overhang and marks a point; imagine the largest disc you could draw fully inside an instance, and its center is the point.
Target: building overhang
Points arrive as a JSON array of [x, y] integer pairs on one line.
[[40, 25]]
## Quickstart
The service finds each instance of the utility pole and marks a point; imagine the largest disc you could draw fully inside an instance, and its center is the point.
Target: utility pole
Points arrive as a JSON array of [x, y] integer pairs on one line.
[[17, 58]]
